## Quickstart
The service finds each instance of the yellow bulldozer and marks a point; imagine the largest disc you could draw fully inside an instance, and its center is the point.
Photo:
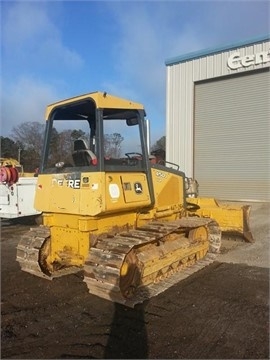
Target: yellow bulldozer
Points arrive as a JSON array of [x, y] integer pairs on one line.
[[110, 210]]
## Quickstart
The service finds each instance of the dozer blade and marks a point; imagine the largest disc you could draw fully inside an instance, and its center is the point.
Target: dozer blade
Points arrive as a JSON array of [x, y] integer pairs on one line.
[[233, 219]]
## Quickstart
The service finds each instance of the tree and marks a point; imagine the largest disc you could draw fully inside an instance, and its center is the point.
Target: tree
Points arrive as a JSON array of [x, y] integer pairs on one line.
[[159, 149], [112, 145], [76, 134], [29, 137], [61, 146], [65, 145], [159, 144], [53, 148], [9, 149]]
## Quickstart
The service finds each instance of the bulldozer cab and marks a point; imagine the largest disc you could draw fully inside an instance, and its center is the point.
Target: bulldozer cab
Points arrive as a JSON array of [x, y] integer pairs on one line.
[[84, 132], [96, 134]]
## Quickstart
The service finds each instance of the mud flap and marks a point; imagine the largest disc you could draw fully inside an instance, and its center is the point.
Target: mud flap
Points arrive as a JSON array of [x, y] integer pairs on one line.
[[234, 219]]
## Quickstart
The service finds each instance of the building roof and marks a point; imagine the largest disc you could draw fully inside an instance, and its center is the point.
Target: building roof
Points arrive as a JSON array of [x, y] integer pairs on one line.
[[211, 51]]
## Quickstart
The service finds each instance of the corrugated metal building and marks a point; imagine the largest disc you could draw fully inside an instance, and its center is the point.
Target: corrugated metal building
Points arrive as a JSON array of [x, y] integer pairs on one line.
[[217, 119]]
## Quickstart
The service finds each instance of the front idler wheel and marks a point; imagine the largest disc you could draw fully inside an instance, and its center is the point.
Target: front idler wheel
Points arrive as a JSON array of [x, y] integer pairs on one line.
[[44, 253], [130, 275]]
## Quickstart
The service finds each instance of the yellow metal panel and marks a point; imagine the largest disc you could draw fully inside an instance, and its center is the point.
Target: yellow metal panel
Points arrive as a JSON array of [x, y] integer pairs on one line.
[[101, 101], [92, 193], [230, 218], [87, 224], [168, 188], [114, 192], [70, 244], [135, 188], [102, 193], [68, 221], [56, 194]]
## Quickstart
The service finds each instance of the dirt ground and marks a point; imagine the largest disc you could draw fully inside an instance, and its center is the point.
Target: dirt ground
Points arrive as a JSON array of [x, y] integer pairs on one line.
[[219, 312]]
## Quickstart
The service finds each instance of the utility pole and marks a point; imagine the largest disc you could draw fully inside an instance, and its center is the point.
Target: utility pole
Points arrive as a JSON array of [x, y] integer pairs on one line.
[[19, 154]]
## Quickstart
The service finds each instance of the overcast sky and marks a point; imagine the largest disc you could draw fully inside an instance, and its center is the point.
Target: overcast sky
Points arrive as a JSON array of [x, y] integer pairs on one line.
[[53, 50]]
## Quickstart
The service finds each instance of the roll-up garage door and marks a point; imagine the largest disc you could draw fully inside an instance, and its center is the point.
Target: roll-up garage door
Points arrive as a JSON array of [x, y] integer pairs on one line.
[[231, 137]]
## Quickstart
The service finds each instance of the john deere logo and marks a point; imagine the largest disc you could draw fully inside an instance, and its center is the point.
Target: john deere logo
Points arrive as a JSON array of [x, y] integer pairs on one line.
[[138, 188]]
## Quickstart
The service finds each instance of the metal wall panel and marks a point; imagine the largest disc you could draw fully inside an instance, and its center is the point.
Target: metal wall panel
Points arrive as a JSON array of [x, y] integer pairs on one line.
[[181, 77], [179, 128], [231, 154]]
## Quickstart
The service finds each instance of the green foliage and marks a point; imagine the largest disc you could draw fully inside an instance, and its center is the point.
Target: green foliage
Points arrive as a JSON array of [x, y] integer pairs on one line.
[[159, 144], [9, 149], [61, 146]]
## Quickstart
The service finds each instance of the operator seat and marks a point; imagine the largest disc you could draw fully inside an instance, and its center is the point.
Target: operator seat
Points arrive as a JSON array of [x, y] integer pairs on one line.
[[81, 155]]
